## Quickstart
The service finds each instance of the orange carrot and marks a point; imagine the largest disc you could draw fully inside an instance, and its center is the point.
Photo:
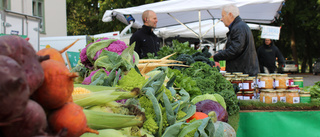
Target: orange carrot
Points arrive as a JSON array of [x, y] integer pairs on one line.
[[197, 116]]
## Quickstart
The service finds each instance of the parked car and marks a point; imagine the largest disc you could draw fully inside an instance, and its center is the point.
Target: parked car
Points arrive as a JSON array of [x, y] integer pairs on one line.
[[289, 67], [316, 67]]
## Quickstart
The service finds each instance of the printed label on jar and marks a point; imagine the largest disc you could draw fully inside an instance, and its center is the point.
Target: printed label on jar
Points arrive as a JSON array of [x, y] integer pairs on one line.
[[240, 97], [291, 83], [262, 84], [276, 83], [296, 99], [274, 99], [287, 82], [264, 99], [240, 86], [252, 85], [246, 98], [283, 99], [245, 86]]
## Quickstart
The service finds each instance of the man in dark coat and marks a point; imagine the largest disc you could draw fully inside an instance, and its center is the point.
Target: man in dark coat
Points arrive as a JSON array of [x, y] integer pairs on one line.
[[267, 54], [146, 40], [240, 52]]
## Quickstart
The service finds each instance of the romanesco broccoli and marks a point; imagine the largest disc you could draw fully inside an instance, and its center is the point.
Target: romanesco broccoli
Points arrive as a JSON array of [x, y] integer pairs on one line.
[[132, 80], [151, 125]]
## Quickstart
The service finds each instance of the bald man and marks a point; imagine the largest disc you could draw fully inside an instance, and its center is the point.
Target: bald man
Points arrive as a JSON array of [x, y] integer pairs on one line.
[[146, 41], [240, 53]]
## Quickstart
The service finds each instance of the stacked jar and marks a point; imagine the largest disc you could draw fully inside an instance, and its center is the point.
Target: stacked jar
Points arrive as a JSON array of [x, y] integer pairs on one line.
[[267, 94], [305, 97], [298, 81]]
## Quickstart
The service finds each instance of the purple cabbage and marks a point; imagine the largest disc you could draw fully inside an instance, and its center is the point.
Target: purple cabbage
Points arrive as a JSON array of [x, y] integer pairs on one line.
[[207, 106]]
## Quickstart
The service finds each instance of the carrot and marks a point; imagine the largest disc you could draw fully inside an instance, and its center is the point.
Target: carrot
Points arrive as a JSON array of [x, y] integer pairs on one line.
[[197, 116], [57, 85], [71, 117], [55, 54]]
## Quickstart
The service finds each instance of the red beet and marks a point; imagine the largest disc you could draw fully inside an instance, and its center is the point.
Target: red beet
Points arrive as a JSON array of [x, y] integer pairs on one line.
[[21, 51], [34, 122], [14, 90]]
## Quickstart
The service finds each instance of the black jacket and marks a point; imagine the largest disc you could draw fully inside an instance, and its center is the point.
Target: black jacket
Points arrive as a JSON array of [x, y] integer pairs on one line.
[[146, 41], [267, 55], [240, 53]]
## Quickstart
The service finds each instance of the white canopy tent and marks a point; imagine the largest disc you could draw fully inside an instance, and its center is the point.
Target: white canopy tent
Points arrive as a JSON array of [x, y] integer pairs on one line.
[[219, 30], [175, 12]]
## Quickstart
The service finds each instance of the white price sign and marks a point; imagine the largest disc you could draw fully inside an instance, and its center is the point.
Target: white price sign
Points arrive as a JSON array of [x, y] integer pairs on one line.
[[270, 32]]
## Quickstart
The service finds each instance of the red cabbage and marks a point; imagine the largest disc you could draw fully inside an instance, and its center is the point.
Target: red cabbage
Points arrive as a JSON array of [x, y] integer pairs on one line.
[[207, 106]]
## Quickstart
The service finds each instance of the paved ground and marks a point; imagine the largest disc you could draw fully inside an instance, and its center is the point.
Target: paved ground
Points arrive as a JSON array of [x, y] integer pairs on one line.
[[308, 78]]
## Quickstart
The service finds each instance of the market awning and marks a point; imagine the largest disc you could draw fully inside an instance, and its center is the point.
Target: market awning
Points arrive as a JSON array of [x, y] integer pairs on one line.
[[188, 11]]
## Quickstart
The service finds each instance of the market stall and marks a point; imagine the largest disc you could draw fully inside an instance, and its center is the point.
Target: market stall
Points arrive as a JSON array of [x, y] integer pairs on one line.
[[175, 12]]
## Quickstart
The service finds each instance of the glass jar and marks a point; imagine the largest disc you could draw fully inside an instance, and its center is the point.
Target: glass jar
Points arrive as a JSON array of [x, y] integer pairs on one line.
[[248, 95], [298, 81], [248, 84], [237, 81], [269, 96], [290, 80], [292, 96], [240, 95], [266, 81], [261, 95], [281, 81], [305, 97], [281, 94]]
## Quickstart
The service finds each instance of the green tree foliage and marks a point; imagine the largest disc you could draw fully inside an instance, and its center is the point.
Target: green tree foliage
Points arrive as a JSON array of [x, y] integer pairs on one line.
[[299, 36], [84, 17]]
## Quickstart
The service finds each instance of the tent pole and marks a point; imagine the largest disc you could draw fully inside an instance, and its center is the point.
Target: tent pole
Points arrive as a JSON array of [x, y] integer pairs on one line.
[[184, 25], [200, 34]]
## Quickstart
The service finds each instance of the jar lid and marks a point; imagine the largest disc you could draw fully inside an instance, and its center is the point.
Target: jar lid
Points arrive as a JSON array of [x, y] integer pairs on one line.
[[229, 76], [282, 75], [293, 86], [248, 92], [293, 90], [304, 92], [236, 79], [298, 78], [228, 73], [265, 75], [280, 90], [237, 73], [249, 78], [267, 90], [243, 75]]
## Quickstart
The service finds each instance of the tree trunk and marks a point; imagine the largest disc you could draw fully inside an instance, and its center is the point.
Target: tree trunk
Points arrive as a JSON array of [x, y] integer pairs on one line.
[[293, 46]]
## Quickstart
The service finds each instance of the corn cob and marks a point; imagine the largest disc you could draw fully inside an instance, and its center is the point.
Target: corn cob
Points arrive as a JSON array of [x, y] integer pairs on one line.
[[103, 120]]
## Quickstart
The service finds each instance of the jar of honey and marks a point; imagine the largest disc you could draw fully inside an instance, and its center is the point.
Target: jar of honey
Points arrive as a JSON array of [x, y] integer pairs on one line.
[[261, 95], [281, 93], [269, 96], [266, 81], [281, 81], [292, 96]]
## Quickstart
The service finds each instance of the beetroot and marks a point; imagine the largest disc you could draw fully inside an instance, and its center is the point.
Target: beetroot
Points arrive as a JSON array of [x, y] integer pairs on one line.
[[14, 90], [21, 51], [34, 122], [207, 106]]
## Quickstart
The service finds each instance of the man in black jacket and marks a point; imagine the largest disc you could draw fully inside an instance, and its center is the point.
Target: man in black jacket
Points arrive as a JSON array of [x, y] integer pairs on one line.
[[267, 54], [146, 40], [240, 53]]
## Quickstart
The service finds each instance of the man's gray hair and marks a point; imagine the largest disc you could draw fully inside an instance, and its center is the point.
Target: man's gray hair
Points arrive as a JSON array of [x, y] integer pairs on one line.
[[231, 9]]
